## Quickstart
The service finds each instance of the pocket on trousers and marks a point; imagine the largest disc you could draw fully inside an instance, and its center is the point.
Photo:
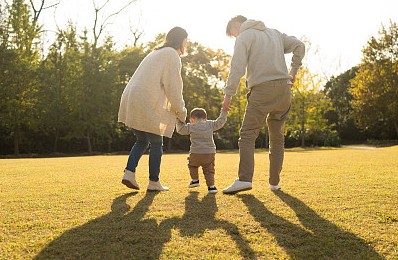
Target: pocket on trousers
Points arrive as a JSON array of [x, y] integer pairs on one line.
[[261, 95]]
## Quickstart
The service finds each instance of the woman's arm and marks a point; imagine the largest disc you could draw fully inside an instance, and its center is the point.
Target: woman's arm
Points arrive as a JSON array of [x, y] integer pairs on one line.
[[173, 85]]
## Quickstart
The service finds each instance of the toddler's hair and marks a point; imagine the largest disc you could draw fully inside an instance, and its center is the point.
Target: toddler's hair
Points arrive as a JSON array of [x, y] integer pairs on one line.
[[198, 113]]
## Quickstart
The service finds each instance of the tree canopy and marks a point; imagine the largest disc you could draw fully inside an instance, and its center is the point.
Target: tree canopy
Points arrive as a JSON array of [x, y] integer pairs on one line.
[[375, 86], [66, 98]]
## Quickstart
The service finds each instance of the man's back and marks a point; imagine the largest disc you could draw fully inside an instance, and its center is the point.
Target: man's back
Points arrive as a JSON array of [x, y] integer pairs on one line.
[[261, 51]]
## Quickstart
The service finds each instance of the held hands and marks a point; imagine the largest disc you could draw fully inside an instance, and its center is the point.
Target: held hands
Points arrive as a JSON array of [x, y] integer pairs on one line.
[[181, 122], [292, 76]]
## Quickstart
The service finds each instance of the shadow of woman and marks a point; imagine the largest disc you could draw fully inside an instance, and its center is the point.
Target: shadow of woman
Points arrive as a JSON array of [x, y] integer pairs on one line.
[[200, 216], [319, 239], [116, 235]]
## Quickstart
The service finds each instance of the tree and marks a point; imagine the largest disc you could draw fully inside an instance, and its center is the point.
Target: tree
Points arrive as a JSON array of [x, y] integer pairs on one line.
[[95, 87], [59, 72], [19, 61], [338, 90], [307, 121], [91, 94], [375, 86]]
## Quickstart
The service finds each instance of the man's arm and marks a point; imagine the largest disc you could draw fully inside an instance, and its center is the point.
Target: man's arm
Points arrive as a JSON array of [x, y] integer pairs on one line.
[[237, 71], [238, 65], [297, 47]]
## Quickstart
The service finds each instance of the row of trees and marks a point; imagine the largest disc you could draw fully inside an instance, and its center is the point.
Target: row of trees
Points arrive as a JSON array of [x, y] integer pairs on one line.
[[365, 98], [66, 98]]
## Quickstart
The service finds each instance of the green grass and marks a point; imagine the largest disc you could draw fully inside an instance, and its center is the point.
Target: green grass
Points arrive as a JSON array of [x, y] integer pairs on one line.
[[335, 204]]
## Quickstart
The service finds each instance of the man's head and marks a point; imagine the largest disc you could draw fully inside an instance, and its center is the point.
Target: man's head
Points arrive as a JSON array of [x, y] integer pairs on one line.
[[233, 26], [198, 114]]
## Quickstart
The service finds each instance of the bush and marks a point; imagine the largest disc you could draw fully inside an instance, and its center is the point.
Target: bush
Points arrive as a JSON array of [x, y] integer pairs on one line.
[[331, 138]]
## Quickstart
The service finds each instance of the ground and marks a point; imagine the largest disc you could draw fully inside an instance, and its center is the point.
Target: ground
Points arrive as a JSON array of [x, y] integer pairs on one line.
[[336, 203]]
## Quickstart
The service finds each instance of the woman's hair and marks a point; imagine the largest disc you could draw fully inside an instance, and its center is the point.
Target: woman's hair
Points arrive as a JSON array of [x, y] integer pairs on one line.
[[239, 19], [174, 38], [198, 113]]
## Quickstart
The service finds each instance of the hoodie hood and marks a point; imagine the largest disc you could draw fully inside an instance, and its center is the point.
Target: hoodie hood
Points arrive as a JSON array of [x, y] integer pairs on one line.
[[252, 24]]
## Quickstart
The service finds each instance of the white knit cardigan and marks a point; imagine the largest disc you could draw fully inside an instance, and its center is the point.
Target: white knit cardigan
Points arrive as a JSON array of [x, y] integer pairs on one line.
[[152, 100]]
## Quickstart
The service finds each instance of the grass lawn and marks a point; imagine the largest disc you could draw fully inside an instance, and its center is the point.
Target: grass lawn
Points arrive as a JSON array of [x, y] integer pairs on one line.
[[335, 204]]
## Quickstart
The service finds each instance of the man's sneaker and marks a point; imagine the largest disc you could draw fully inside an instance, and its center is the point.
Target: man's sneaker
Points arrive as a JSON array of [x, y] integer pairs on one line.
[[156, 186], [275, 187], [129, 180], [238, 186], [194, 184], [212, 189]]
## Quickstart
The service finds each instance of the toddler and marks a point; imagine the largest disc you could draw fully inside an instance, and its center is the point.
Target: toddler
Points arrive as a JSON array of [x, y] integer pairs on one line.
[[203, 149]]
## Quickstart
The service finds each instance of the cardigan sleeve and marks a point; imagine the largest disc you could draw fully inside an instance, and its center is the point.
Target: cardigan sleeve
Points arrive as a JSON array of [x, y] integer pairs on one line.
[[173, 86]]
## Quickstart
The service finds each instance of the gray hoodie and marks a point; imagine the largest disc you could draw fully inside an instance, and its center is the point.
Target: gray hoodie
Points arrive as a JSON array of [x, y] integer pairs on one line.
[[201, 133], [261, 51]]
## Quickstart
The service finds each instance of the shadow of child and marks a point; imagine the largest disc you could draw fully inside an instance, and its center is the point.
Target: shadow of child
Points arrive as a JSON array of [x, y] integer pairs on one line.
[[200, 215]]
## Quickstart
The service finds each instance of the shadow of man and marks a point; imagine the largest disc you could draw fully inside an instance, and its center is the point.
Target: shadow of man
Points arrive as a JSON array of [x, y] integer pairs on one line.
[[319, 239], [116, 235], [200, 216]]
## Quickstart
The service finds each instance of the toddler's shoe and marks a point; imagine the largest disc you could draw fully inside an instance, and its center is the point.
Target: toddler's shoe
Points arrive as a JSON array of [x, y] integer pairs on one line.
[[129, 180], [156, 186], [193, 184], [212, 189]]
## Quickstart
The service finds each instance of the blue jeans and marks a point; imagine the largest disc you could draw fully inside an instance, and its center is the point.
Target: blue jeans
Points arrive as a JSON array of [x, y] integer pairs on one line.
[[144, 140]]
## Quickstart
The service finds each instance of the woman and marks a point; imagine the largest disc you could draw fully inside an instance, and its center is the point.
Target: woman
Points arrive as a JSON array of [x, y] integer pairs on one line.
[[151, 103]]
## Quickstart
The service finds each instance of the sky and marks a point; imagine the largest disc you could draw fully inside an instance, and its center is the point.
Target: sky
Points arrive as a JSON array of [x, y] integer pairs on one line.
[[337, 30]]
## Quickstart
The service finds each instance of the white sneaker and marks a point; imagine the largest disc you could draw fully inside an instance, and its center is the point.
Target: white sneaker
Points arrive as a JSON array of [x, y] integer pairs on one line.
[[238, 186], [156, 186], [275, 187], [129, 180]]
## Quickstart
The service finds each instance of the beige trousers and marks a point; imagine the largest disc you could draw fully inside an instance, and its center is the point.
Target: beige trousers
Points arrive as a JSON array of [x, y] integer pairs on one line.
[[207, 161], [269, 103]]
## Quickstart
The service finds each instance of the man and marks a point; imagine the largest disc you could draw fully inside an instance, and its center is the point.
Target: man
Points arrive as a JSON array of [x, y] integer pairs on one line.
[[259, 51]]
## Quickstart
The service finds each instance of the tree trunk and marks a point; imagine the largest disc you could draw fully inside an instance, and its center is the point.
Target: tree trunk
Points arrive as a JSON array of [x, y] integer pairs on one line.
[[396, 127], [89, 147], [55, 146], [303, 124], [169, 146], [16, 140], [109, 144]]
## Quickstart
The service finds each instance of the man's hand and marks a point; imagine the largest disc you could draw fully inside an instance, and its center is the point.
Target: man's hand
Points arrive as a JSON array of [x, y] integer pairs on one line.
[[226, 104]]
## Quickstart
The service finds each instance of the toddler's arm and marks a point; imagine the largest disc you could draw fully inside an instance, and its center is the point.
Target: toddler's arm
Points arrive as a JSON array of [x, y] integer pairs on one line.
[[220, 121], [182, 128]]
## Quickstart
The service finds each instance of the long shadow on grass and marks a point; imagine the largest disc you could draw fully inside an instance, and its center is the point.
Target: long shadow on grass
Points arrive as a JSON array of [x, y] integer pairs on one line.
[[199, 216], [320, 239], [116, 235], [121, 234]]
